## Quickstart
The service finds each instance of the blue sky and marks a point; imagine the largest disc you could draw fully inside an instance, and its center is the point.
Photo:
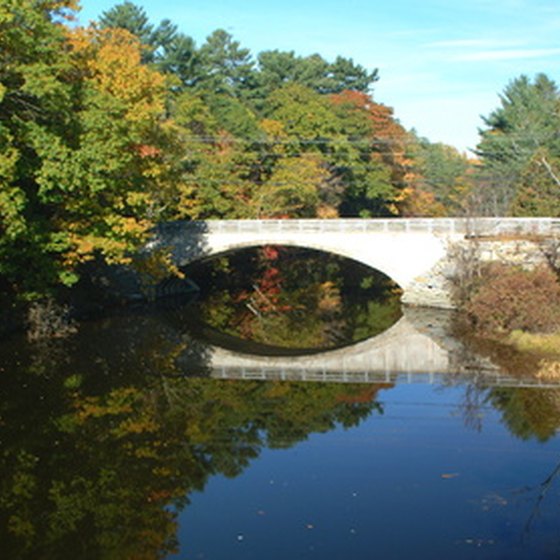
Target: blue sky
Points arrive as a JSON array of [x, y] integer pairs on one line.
[[442, 63]]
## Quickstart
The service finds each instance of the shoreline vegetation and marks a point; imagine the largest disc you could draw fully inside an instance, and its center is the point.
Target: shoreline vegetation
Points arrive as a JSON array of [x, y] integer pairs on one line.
[[517, 308], [541, 344]]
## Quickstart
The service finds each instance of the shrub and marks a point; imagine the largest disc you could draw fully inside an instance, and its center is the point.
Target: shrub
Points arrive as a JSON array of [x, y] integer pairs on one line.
[[511, 298]]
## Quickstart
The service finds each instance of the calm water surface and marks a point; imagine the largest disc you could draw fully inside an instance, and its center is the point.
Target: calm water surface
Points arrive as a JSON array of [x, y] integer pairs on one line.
[[118, 443], [412, 482]]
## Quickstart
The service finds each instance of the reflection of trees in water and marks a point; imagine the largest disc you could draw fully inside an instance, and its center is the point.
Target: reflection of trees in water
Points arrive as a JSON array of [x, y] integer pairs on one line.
[[526, 412], [98, 457], [295, 298], [103, 440]]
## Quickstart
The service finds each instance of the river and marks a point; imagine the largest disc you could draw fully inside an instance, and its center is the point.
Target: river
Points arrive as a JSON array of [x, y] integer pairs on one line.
[[292, 410]]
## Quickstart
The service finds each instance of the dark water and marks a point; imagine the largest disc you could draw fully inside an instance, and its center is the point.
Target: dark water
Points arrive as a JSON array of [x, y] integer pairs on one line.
[[113, 448]]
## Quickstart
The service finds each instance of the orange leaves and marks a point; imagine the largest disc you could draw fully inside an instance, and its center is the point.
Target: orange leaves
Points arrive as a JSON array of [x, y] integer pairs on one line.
[[146, 151], [416, 202]]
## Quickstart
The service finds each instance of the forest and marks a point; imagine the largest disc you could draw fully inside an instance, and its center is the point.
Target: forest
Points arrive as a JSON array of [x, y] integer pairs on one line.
[[106, 131]]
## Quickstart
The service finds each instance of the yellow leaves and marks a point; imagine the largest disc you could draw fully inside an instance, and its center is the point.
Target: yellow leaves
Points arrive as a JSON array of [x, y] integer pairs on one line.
[[327, 212], [82, 250], [416, 202], [157, 266], [112, 59], [189, 205], [124, 235], [136, 199], [145, 453], [548, 370], [135, 426], [274, 129], [127, 226]]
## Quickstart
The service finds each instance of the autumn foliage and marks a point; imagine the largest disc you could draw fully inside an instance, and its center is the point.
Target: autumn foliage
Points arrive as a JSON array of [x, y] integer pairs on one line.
[[512, 298], [110, 129]]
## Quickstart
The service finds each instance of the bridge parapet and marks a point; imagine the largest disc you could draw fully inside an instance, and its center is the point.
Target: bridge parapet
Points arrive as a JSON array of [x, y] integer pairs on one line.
[[449, 226]]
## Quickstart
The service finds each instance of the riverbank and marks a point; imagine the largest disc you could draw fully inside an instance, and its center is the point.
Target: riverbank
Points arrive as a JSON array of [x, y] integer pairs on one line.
[[545, 345]]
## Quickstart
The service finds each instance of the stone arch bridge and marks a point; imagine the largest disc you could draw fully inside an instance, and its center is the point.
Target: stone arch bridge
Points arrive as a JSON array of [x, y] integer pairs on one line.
[[419, 254]]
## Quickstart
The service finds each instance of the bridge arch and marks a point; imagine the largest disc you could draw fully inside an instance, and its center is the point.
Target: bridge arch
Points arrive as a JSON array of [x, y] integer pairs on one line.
[[398, 255], [347, 253]]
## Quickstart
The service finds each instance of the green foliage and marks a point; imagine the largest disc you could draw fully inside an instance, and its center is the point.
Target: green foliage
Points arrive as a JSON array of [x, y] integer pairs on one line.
[[226, 68], [82, 171], [106, 131], [131, 17], [292, 189], [305, 115], [170, 51], [444, 173], [520, 148], [539, 186], [295, 298], [528, 413], [277, 69]]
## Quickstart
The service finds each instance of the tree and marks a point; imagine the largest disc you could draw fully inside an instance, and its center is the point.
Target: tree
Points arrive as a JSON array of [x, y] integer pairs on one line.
[[226, 68], [539, 186], [524, 125], [171, 52], [279, 68], [444, 174], [134, 19], [88, 156], [377, 166], [99, 466], [292, 189], [34, 94], [347, 75]]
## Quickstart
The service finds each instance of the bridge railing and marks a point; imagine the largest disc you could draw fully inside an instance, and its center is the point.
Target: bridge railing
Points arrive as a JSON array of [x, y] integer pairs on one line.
[[460, 226], [479, 378]]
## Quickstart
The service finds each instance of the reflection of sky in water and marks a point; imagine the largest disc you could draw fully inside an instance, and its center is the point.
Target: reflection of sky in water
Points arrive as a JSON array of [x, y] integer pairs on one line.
[[412, 482]]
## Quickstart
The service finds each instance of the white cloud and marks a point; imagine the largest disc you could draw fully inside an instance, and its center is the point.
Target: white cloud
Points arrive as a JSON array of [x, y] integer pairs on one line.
[[504, 54], [473, 43]]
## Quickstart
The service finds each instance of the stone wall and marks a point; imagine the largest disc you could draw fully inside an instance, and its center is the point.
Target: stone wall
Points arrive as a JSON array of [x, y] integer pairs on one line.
[[436, 287]]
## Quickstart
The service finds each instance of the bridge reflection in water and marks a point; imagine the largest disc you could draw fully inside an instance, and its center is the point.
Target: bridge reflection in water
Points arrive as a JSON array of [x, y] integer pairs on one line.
[[417, 349]]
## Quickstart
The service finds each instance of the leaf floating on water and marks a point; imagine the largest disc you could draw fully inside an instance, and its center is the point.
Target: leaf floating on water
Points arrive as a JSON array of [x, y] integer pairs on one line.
[[491, 500], [478, 542], [450, 475]]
